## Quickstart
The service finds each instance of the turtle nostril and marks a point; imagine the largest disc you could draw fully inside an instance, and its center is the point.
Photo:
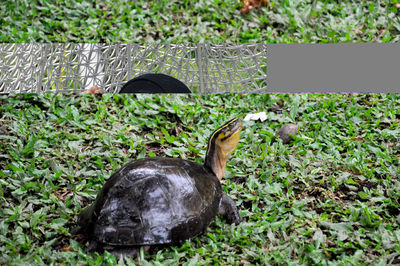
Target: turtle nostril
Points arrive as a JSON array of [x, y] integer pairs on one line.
[[135, 219]]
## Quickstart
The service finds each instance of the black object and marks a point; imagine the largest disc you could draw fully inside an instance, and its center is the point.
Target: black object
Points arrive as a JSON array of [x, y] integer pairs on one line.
[[155, 83]]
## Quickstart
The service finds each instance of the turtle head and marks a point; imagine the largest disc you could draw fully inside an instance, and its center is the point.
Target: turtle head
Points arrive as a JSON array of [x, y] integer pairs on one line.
[[221, 144]]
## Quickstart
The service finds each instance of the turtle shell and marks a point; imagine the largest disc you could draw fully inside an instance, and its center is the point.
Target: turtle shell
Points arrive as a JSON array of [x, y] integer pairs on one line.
[[156, 201]]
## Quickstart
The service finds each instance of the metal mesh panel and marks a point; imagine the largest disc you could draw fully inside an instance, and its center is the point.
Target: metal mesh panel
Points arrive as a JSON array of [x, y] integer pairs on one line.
[[204, 68]]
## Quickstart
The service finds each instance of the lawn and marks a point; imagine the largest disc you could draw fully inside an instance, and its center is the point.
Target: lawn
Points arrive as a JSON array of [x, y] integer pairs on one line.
[[216, 21], [331, 196]]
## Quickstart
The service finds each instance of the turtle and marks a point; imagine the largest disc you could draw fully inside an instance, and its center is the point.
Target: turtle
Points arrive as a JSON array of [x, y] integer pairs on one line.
[[158, 200]]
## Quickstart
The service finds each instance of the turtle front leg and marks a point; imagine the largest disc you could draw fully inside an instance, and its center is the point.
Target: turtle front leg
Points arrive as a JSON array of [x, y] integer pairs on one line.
[[118, 252], [227, 208]]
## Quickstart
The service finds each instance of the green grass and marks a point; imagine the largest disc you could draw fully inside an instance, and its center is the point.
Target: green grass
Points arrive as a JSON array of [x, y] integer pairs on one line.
[[289, 21], [332, 196]]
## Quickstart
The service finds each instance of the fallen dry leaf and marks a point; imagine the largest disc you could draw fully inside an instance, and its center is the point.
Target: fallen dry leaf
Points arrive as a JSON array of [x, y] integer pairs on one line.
[[265, 248], [62, 194], [93, 90], [251, 4], [380, 31], [66, 248]]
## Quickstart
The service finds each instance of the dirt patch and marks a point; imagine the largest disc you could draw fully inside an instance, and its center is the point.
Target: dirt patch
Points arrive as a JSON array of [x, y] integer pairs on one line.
[[156, 148], [364, 183], [63, 244], [62, 194], [247, 204]]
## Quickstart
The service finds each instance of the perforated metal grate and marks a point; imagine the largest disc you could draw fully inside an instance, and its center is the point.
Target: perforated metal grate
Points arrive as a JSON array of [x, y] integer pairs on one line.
[[204, 68]]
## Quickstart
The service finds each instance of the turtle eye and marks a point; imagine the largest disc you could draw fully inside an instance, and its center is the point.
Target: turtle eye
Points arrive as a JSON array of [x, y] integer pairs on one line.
[[224, 135]]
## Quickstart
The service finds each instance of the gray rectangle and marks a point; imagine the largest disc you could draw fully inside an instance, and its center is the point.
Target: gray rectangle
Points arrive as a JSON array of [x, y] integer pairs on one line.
[[349, 67]]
